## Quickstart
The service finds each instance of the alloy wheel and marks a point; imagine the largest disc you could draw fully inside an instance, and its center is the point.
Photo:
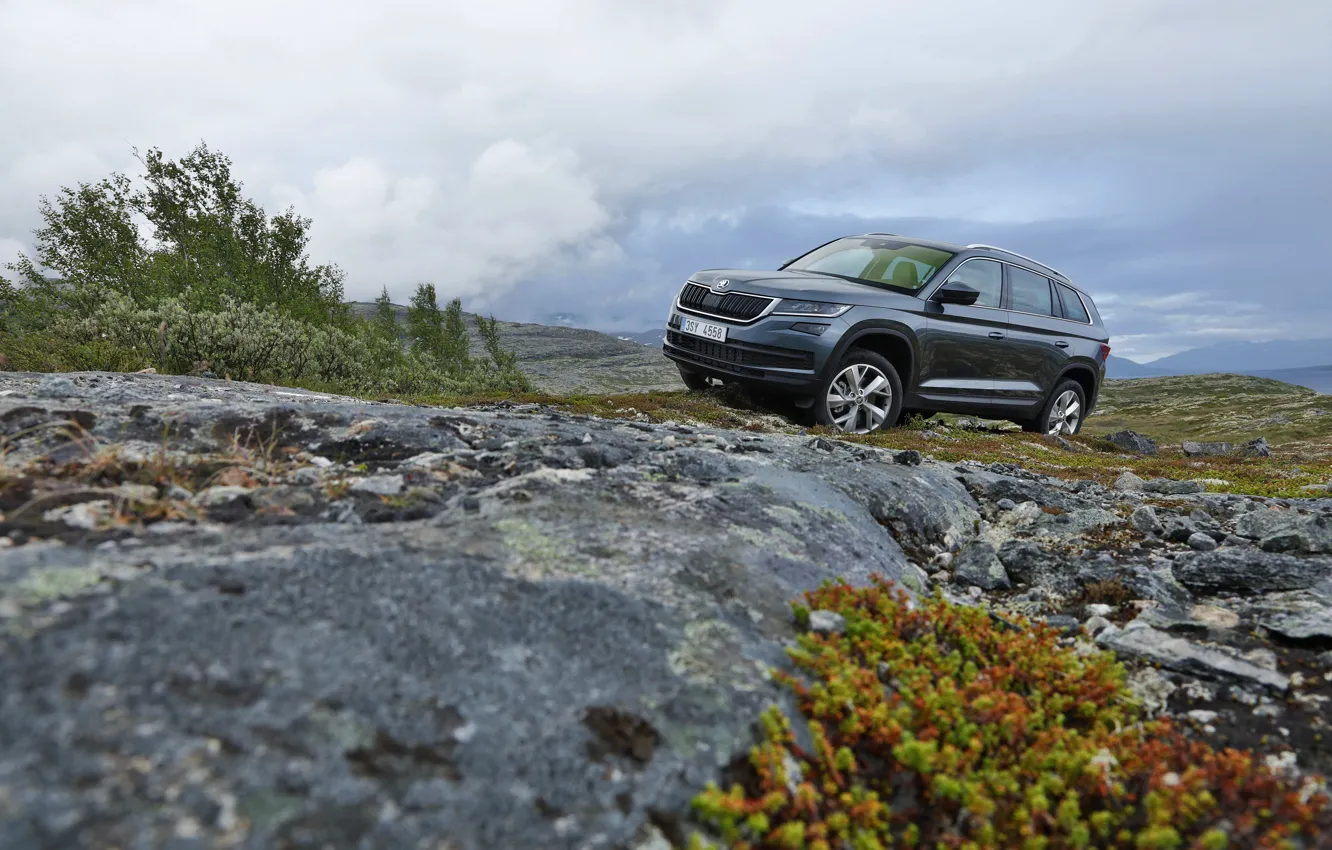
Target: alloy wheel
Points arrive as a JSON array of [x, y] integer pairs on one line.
[[1064, 414], [859, 399]]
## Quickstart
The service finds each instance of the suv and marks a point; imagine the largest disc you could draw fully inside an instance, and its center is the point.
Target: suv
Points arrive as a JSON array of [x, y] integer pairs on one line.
[[865, 328]]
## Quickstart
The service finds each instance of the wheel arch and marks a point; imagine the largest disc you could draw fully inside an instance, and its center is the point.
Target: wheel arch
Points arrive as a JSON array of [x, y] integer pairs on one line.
[[893, 342], [1085, 376]]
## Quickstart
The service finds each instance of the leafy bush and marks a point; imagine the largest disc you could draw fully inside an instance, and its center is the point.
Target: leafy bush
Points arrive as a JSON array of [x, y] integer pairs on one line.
[[938, 726], [215, 284], [244, 341]]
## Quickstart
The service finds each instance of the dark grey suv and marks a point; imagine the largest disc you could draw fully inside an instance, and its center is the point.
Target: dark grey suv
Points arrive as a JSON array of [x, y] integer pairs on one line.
[[865, 328]]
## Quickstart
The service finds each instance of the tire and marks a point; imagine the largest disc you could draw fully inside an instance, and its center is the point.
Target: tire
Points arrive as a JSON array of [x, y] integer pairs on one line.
[[695, 381], [856, 378], [1056, 416]]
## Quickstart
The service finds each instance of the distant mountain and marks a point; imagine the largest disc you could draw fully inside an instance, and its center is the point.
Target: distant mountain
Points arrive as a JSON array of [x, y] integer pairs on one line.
[[1246, 357], [1122, 367]]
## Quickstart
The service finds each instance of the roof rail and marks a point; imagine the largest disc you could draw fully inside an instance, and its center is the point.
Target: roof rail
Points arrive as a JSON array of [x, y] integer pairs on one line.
[[879, 233], [1022, 256]]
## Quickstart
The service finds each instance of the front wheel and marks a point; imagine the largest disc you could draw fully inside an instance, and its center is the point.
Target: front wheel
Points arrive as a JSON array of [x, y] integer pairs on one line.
[[863, 395], [1062, 413]]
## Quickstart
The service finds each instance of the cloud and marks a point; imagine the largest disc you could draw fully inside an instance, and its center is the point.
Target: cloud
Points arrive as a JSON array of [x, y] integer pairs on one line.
[[585, 155]]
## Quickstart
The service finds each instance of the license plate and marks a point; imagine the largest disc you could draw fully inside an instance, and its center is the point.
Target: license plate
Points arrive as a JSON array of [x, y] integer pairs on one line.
[[707, 330]]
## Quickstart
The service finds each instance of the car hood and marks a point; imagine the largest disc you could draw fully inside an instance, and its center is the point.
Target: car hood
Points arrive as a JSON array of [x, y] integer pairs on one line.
[[797, 284]]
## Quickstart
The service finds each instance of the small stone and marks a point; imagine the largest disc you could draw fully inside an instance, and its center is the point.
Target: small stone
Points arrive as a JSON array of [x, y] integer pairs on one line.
[[1132, 441], [1201, 542], [978, 564], [1214, 616], [909, 457], [668, 441], [1128, 482], [55, 386], [1006, 504], [975, 592], [212, 497], [1144, 519], [321, 462], [1099, 609], [1096, 625], [1171, 487], [1195, 448], [177, 493], [1256, 448], [826, 623], [138, 492], [148, 371], [942, 577], [587, 438], [1202, 715], [1171, 779], [380, 485]]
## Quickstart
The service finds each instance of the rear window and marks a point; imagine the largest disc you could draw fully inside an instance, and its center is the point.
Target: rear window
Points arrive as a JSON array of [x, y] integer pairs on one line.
[[870, 259], [1029, 292], [1073, 308]]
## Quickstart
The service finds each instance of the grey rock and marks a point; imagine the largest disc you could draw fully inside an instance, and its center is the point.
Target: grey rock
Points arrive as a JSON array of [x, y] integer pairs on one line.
[[1255, 448], [1005, 504], [826, 623], [1171, 487], [1062, 623], [978, 564], [56, 386], [1248, 571], [1286, 531], [992, 488], [1099, 609], [379, 485], [1201, 542], [1144, 519], [1300, 615], [1098, 625], [1190, 658], [1030, 563], [1129, 483], [1132, 441], [908, 457], [1195, 448]]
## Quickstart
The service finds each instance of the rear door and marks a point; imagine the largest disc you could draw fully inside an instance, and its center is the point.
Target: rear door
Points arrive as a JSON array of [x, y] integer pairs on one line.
[[960, 346], [1039, 338]]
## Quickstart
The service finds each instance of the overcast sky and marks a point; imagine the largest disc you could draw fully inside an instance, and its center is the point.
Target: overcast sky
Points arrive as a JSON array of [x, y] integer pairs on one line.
[[584, 156]]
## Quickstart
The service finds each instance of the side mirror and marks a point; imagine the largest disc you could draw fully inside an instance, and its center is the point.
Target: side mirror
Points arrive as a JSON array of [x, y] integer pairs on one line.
[[955, 292]]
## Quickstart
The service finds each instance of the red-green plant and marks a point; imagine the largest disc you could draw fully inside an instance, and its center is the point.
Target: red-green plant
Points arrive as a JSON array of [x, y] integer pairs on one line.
[[935, 725]]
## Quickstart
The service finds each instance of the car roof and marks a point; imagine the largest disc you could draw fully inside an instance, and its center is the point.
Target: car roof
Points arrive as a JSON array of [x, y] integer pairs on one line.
[[981, 250]]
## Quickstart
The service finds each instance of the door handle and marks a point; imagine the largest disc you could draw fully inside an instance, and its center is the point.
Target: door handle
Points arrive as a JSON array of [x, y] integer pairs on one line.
[[1062, 344], [999, 335]]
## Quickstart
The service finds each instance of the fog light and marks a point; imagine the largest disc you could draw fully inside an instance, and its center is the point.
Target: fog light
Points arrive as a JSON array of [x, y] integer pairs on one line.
[[809, 328]]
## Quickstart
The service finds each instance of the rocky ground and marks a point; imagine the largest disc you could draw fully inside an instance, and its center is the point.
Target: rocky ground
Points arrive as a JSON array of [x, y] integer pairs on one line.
[[236, 615]]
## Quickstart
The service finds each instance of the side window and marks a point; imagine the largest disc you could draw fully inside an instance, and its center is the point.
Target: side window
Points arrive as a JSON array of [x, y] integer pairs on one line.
[[1030, 292], [1073, 308], [984, 276]]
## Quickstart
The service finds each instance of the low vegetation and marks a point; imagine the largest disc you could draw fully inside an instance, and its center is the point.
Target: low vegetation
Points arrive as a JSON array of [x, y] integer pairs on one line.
[[216, 286], [934, 725]]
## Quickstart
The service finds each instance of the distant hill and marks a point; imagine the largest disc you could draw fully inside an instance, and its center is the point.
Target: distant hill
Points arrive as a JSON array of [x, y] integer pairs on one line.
[[1122, 367], [562, 359], [1247, 357]]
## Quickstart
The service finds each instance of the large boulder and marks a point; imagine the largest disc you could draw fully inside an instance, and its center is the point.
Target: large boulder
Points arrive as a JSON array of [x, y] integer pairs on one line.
[[415, 627], [1196, 448], [1244, 571]]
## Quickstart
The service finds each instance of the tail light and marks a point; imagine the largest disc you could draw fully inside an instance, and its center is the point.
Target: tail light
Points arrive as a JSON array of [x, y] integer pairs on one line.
[[1105, 352]]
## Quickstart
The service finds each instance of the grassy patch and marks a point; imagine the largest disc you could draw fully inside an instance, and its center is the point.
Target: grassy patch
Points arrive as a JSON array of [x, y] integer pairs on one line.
[[936, 726], [1236, 408]]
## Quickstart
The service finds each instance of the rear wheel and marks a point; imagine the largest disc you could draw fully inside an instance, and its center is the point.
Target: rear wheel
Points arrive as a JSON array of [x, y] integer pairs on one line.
[[694, 380], [863, 394], [1063, 411]]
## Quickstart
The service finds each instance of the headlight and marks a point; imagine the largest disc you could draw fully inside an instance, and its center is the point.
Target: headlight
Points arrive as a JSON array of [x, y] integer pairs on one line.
[[790, 307]]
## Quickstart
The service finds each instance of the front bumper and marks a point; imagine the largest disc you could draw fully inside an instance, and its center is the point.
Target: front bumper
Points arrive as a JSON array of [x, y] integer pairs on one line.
[[767, 352]]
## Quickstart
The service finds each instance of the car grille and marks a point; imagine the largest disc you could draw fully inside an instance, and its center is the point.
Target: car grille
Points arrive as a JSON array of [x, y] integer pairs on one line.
[[731, 305], [743, 354]]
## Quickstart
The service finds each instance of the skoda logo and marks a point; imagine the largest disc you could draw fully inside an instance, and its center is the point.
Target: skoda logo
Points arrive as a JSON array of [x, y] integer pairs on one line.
[[721, 284]]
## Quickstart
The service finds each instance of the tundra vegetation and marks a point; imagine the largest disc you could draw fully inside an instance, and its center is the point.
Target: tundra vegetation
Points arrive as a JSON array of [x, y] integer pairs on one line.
[[180, 272]]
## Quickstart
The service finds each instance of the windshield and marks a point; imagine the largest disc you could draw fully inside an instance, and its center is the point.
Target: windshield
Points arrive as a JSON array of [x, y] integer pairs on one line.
[[875, 260]]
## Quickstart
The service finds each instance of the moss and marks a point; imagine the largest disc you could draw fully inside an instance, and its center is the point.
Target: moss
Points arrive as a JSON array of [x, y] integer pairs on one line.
[[41, 585], [539, 554], [985, 738]]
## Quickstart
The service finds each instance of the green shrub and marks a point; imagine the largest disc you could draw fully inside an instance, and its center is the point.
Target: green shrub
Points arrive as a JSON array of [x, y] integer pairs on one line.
[[934, 726], [245, 342]]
